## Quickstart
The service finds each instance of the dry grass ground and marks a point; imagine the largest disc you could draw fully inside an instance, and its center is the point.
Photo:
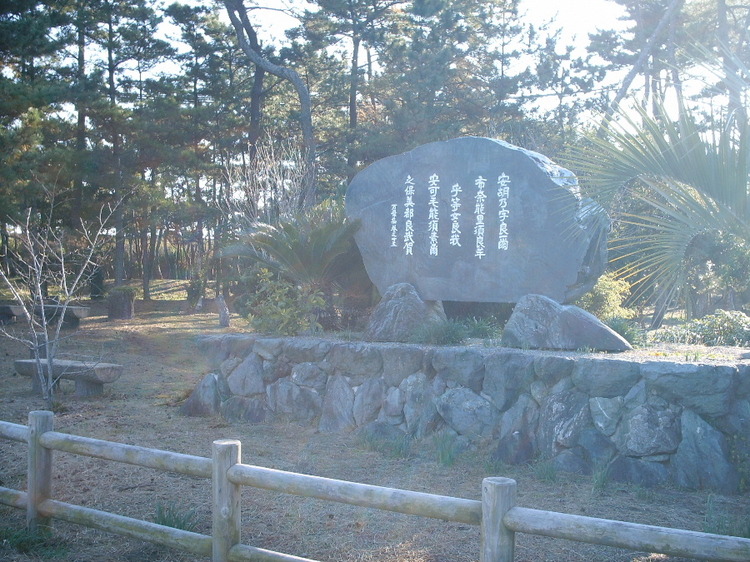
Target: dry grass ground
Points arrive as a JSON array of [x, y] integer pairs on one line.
[[162, 367]]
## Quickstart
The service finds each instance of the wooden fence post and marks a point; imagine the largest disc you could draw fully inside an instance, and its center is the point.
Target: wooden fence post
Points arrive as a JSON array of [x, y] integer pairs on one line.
[[498, 542], [39, 470], [226, 499]]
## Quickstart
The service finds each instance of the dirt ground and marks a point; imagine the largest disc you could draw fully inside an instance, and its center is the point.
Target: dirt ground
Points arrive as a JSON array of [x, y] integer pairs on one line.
[[162, 366]]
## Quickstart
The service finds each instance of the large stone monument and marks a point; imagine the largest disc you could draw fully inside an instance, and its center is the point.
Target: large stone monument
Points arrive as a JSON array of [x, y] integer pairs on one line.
[[477, 220]]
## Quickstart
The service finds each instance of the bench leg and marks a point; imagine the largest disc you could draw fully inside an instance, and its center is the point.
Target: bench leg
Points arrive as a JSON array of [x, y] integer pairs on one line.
[[88, 388], [36, 385]]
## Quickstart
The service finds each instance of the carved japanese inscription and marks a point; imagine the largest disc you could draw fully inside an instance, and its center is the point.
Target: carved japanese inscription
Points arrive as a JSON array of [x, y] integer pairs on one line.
[[478, 220]]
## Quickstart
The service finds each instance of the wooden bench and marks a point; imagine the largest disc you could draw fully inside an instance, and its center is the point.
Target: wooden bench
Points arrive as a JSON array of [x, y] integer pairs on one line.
[[89, 376], [73, 313], [8, 312]]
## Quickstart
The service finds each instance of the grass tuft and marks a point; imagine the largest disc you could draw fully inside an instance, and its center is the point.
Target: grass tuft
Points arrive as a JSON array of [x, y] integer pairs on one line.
[[482, 328], [446, 447], [599, 479], [546, 471], [39, 543], [450, 332], [394, 447], [172, 516], [717, 521]]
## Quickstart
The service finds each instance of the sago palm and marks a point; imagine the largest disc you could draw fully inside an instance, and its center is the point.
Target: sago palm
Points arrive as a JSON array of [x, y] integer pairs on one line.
[[315, 249]]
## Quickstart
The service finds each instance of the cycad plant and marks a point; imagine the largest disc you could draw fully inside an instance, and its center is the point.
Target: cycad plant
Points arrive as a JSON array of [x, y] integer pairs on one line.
[[679, 195], [314, 250]]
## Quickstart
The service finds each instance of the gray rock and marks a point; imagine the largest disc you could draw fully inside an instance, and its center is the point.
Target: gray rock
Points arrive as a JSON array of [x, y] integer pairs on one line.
[[305, 350], [393, 405], [636, 396], [736, 425], [338, 407], [595, 448], [605, 377], [274, 370], [420, 414], [606, 413], [539, 391], [743, 380], [380, 432], [702, 459], [648, 430], [400, 312], [571, 460], [268, 348], [228, 365], [356, 360], [551, 369], [438, 386], [463, 365], [309, 375], [246, 379], [705, 389], [563, 385], [212, 350], [507, 374], [517, 432], [238, 345], [205, 400], [294, 403], [244, 409], [539, 322], [475, 244], [400, 361], [562, 418], [368, 400], [223, 311], [637, 471], [737, 421], [467, 413]]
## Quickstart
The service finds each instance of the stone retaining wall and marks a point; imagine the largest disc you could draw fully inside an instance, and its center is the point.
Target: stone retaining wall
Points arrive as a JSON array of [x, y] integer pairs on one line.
[[651, 422]]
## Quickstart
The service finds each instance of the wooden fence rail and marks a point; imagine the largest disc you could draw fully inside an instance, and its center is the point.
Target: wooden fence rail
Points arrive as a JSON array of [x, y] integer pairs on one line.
[[497, 514]]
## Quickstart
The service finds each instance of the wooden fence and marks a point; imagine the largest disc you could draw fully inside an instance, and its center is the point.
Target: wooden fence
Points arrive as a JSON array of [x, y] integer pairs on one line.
[[496, 514]]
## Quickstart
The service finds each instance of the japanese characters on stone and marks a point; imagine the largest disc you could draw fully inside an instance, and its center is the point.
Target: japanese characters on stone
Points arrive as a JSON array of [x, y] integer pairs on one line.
[[409, 216], [458, 199]]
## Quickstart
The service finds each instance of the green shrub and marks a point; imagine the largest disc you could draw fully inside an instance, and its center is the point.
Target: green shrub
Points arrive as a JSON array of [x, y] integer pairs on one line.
[[724, 327], [280, 307], [247, 287], [605, 299], [675, 334], [314, 249], [450, 332], [628, 329]]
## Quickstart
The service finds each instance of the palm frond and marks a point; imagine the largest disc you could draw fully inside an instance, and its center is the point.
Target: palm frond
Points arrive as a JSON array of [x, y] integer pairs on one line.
[[307, 250], [668, 185], [656, 250], [642, 146]]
